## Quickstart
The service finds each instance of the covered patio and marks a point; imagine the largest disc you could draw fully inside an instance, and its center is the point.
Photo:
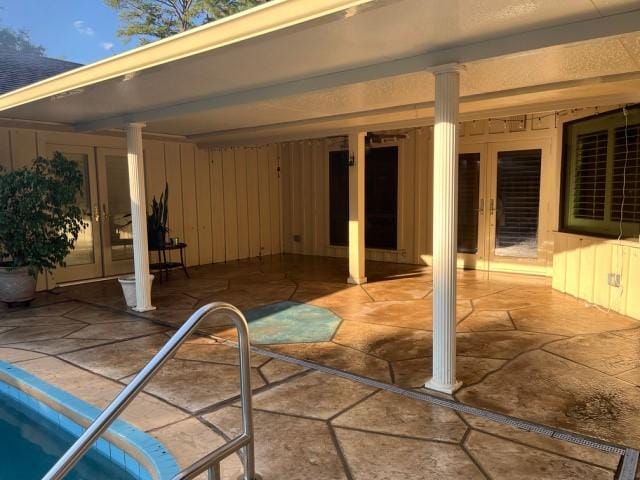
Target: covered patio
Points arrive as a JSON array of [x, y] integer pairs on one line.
[[513, 65], [523, 349], [242, 119]]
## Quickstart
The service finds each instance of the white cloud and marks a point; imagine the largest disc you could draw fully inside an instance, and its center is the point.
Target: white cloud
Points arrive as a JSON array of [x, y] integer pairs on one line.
[[84, 29], [108, 46]]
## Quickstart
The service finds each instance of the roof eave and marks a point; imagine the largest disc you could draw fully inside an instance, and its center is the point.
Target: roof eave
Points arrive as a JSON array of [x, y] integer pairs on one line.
[[255, 22]]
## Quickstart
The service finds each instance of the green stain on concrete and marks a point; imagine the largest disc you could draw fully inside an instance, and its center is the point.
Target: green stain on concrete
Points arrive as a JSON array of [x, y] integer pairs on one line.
[[291, 322]]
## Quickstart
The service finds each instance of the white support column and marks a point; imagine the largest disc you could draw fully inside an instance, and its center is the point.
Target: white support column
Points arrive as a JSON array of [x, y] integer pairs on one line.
[[139, 217], [356, 208], [445, 215]]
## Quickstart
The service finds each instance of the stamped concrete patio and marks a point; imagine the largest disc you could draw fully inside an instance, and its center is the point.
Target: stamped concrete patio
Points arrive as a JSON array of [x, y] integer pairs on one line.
[[524, 350]]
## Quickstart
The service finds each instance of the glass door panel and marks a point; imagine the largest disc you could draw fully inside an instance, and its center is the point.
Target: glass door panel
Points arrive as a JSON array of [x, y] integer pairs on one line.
[[115, 211], [471, 203], [515, 174], [85, 261], [517, 203], [468, 202]]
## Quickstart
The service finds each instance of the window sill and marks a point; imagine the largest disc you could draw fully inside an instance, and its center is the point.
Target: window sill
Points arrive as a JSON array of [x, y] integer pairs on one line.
[[627, 242]]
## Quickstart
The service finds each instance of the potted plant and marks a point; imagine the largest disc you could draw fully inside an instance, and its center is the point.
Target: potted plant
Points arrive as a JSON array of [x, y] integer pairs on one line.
[[156, 238], [39, 223], [157, 220]]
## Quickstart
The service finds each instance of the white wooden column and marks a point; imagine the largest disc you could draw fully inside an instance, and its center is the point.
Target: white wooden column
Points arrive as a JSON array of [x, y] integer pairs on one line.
[[356, 208], [139, 217], [445, 215]]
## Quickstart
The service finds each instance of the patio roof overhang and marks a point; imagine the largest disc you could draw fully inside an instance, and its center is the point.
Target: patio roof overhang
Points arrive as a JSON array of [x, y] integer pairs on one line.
[[302, 68]]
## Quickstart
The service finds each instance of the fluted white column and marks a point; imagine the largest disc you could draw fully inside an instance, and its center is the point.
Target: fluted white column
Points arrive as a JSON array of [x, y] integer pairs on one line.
[[356, 208], [445, 199], [139, 217]]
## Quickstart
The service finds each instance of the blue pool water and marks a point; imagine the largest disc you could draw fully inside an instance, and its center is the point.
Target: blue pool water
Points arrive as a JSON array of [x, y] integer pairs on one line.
[[30, 444]]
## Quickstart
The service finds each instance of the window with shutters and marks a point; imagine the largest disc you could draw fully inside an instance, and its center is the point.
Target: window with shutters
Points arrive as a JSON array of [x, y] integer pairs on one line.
[[602, 174]]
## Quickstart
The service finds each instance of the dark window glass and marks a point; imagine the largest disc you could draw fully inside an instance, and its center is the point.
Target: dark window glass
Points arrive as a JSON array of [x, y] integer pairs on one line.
[[339, 198], [381, 198], [468, 193]]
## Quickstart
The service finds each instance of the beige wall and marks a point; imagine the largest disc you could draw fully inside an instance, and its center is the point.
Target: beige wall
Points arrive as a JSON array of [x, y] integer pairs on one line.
[[305, 199], [250, 201], [225, 204], [305, 191], [581, 265]]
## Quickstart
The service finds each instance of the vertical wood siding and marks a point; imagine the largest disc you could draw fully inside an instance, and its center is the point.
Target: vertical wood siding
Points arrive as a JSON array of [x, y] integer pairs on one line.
[[230, 204], [225, 204], [305, 200], [581, 266]]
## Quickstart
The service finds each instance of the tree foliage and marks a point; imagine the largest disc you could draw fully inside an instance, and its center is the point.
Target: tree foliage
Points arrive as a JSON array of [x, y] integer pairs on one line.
[[149, 20], [18, 41], [40, 219]]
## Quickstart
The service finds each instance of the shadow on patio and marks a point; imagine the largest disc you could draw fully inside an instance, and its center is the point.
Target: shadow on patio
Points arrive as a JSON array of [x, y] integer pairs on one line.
[[523, 349]]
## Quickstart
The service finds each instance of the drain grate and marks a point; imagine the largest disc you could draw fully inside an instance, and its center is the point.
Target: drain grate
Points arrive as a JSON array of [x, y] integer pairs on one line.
[[457, 406]]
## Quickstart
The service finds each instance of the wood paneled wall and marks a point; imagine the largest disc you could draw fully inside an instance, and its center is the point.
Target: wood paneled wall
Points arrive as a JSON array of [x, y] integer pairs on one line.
[[236, 203], [225, 204], [581, 266], [228, 200], [305, 199]]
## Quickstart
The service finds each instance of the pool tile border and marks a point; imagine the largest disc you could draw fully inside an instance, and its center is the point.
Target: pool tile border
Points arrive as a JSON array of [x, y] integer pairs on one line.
[[24, 388]]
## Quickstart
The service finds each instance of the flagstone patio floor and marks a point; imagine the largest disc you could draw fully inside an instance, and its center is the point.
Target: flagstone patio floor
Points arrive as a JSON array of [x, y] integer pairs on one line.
[[523, 350]]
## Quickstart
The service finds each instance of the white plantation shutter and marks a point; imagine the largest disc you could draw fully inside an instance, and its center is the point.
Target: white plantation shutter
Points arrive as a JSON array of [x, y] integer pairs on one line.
[[602, 174], [626, 150], [590, 181]]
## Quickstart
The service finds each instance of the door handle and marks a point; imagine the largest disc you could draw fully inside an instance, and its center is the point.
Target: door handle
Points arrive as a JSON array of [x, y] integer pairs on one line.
[[492, 206], [96, 213], [105, 215]]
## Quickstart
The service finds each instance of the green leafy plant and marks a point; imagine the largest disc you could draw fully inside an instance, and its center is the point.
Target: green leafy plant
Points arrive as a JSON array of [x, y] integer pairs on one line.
[[39, 215], [157, 219]]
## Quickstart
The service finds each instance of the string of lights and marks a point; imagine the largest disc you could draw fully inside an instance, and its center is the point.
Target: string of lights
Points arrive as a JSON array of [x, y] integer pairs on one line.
[[522, 119]]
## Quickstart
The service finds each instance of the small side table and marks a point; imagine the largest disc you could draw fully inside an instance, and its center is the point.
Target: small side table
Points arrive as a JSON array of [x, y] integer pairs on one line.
[[163, 265]]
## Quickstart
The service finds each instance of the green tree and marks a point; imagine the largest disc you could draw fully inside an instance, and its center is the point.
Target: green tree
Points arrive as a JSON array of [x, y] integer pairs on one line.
[[149, 20], [18, 41]]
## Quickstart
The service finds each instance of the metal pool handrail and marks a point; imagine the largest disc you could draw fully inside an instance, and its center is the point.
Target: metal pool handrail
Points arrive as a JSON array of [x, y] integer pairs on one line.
[[210, 462]]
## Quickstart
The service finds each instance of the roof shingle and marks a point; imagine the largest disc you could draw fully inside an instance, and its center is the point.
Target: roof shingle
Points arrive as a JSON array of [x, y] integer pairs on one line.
[[21, 69]]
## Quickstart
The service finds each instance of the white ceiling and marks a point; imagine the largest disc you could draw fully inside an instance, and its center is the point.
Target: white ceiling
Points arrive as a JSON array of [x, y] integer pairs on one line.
[[384, 31]]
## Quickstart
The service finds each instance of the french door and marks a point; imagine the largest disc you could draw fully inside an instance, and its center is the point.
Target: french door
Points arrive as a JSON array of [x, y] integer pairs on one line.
[[85, 261], [499, 206], [115, 211], [105, 246]]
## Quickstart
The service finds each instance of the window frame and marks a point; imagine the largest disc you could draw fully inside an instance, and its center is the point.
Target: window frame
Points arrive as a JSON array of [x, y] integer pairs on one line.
[[609, 122]]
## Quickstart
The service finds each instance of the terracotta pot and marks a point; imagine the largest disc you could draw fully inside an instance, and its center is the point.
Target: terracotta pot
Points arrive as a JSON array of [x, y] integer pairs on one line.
[[16, 285]]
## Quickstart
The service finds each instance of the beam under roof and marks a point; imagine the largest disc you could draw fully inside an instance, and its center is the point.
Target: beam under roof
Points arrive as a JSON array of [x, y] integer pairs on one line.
[[570, 33]]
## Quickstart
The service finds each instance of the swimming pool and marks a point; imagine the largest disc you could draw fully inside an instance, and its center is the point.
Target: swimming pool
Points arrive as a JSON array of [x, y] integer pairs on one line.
[[36, 443], [38, 422]]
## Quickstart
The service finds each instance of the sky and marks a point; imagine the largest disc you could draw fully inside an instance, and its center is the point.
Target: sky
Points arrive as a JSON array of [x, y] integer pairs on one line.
[[82, 31]]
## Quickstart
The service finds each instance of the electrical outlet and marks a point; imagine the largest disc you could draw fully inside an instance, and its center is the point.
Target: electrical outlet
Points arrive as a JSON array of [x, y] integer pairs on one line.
[[613, 279]]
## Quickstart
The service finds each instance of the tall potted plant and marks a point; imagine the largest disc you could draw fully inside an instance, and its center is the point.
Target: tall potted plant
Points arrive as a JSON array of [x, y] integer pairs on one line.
[[39, 223], [156, 238], [157, 219]]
